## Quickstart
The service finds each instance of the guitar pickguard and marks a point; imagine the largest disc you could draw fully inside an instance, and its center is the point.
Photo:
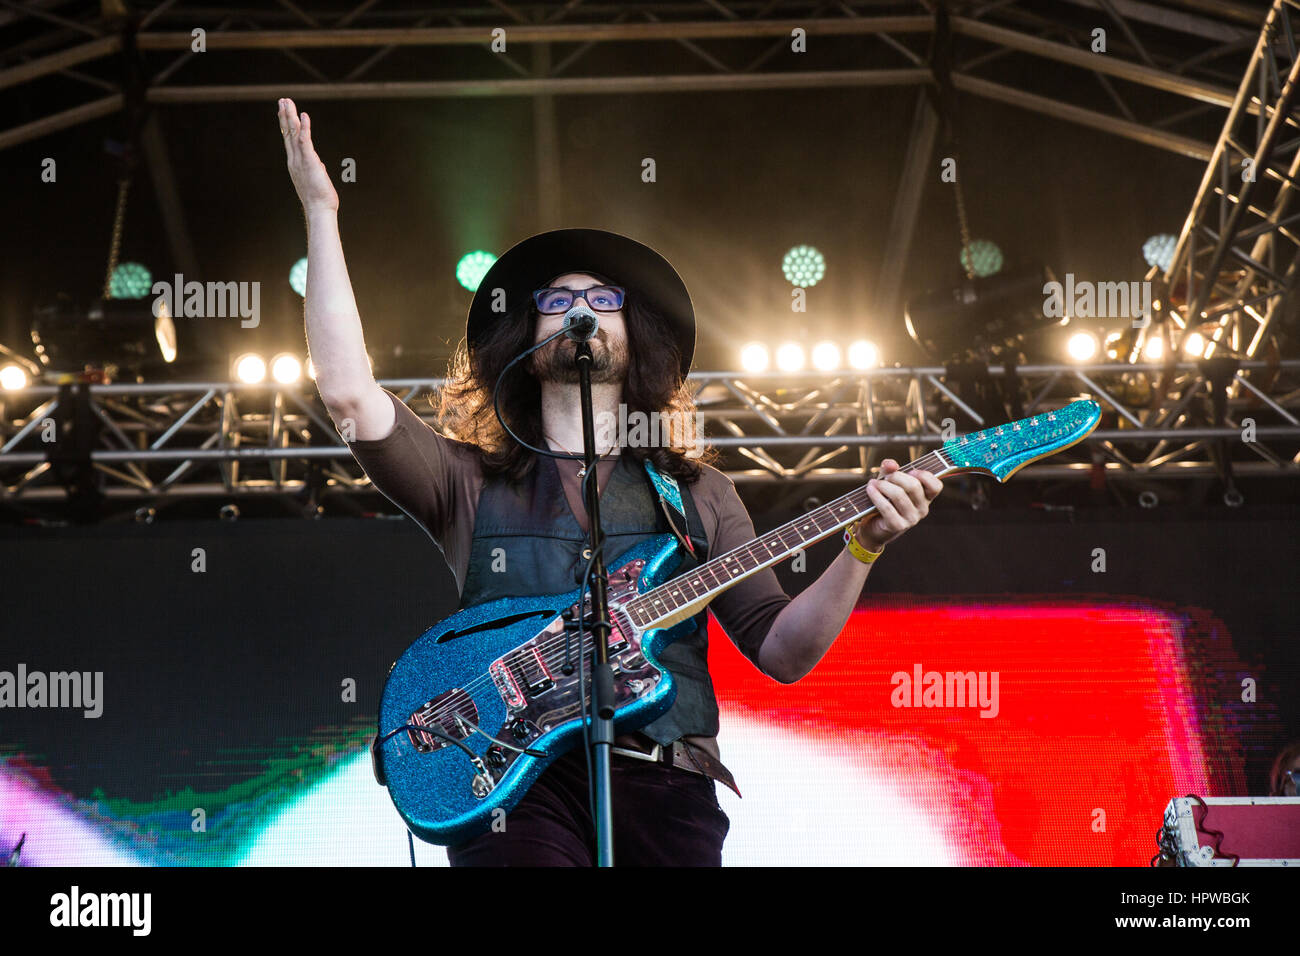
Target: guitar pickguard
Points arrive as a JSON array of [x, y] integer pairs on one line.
[[538, 683]]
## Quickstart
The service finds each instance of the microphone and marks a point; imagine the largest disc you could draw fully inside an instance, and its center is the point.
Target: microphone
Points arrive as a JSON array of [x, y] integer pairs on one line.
[[580, 323]]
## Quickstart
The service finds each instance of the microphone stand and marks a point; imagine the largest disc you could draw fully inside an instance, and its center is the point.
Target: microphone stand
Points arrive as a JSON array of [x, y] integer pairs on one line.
[[602, 676]]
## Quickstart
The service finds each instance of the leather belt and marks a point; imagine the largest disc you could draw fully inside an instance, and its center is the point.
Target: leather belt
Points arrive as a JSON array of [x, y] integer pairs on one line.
[[686, 757]]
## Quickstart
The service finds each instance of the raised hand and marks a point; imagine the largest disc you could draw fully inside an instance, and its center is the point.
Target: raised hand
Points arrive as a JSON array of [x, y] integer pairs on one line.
[[308, 173]]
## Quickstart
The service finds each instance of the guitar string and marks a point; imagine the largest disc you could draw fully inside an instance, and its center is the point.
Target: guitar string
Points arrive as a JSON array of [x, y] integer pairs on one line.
[[974, 442], [546, 648], [715, 565], [751, 550], [643, 601]]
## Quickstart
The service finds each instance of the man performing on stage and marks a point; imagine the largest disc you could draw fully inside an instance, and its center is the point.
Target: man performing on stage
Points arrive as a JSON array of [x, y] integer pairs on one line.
[[510, 522]]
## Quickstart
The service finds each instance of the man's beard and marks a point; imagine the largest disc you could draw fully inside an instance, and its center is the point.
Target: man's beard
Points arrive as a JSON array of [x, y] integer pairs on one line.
[[555, 361]]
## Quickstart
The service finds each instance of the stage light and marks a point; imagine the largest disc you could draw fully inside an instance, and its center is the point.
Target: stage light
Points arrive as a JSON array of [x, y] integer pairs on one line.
[[165, 331], [863, 354], [286, 369], [111, 334], [754, 357], [981, 314], [1082, 346], [130, 280], [826, 356], [1154, 349], [803, 266], [473, 267], [789, 357], [1194, 345], [981, 257], [298, 277], [13, 377], [1159, 251], [250, 368]]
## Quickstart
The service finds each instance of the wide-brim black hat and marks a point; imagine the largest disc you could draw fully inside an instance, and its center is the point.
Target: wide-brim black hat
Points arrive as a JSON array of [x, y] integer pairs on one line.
[[623, 261]]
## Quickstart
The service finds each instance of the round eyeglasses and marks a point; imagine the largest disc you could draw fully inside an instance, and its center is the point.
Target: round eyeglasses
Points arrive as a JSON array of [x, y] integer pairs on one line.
[[601, 298]]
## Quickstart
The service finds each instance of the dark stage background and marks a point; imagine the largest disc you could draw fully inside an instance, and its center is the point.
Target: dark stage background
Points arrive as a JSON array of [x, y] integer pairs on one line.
[[225, 689]]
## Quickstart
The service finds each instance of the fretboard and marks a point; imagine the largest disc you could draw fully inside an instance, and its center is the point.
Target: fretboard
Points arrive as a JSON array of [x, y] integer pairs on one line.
[[702, 584]]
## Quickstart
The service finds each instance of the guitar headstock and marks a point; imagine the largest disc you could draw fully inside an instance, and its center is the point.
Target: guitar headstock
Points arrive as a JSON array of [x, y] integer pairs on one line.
[[1005, 449]]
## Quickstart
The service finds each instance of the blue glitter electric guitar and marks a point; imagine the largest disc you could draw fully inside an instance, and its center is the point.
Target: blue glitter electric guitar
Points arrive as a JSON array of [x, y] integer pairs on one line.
[[485, 700]]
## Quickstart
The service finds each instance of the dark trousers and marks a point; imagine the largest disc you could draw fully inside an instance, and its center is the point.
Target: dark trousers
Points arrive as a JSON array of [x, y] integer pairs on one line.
[[663, 816]]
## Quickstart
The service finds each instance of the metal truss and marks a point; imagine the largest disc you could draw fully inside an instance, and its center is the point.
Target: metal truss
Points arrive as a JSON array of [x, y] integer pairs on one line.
[[1166, 72], [150, 442], [1166, 67], [1182, 63], [1234, 268], [1236, 260]]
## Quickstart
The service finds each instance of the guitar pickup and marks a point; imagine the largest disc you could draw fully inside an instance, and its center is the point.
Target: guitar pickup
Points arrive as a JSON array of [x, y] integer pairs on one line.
[[521, 674], [537, 676]]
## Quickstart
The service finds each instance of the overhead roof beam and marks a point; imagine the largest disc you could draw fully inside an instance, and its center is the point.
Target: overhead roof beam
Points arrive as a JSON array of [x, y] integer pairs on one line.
[[552, 33], [1183, 145], [1086, 59], [1188, 23], [539, 33], [54, 62]]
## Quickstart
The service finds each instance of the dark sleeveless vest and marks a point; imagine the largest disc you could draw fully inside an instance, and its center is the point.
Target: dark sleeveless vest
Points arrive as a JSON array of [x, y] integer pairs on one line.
[[543, 543]]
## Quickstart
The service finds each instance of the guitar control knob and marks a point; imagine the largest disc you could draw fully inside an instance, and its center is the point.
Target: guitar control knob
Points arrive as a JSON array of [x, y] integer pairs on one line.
[[496, 757], [520, 729]]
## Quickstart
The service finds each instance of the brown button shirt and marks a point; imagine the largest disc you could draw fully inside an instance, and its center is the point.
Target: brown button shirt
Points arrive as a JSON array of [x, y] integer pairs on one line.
[[436, 481]]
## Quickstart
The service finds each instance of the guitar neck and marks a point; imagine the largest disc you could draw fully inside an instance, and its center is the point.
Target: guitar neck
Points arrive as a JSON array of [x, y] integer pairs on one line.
[[687, 594], [999, 451]]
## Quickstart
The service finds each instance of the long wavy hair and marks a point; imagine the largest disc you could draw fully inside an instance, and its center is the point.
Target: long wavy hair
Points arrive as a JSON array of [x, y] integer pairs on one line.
[[654, 383]]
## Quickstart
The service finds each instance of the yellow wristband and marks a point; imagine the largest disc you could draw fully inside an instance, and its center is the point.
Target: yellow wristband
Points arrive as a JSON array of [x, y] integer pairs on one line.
[[856, 549]]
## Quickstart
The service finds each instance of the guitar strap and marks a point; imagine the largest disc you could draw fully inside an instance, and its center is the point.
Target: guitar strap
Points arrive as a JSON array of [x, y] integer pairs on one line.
[[670, 499]]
